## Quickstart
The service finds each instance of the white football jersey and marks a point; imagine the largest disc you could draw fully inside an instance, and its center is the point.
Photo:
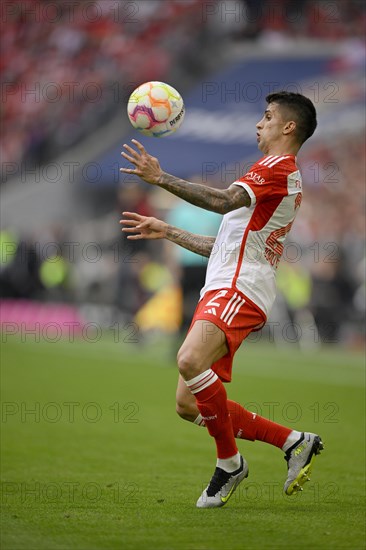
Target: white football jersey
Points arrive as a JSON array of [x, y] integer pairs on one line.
[[250, 240]]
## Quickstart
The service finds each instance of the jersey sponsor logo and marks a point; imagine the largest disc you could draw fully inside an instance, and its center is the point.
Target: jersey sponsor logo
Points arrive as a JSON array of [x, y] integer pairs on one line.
[[257, 178]]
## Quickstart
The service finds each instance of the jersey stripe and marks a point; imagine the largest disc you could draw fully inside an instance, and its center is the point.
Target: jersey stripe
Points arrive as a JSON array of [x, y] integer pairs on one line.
[[272, 160], [276, 161], [268, 159]]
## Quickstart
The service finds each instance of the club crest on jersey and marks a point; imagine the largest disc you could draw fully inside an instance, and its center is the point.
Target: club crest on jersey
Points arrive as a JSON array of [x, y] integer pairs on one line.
[[257, 178]]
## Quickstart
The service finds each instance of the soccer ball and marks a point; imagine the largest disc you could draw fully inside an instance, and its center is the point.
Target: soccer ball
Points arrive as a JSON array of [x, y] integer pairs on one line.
[[155, 109]]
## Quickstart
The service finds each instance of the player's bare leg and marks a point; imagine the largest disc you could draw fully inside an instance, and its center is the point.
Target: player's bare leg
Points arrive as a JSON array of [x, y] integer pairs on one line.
[[204, 345], [186, 405]]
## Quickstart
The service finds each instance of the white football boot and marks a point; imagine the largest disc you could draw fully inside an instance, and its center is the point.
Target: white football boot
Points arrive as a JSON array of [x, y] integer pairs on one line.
[[300, 458], [222, 486]]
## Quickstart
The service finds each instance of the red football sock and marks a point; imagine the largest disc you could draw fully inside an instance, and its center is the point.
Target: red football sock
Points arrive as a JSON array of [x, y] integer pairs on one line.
[[211, 400], [248, 425]]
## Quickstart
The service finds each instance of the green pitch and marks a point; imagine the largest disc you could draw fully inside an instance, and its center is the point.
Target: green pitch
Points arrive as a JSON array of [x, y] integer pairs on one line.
[[94, 456]]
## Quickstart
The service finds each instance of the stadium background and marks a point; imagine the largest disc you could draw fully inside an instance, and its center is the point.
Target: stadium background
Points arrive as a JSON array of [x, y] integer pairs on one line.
[[73, 290]]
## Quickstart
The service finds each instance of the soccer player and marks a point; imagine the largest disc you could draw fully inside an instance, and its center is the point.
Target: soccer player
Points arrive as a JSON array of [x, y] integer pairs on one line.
[[259, 210]]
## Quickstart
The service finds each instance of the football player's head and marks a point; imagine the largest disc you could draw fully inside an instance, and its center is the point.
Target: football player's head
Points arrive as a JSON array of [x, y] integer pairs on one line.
[[298, 109]]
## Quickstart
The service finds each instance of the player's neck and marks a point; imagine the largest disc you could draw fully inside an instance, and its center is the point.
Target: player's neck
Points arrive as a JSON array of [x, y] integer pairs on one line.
[[282, 149]]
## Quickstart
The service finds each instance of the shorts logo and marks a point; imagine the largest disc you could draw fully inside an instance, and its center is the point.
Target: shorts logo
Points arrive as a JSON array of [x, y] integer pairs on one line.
[[212, 311], [231, 309]]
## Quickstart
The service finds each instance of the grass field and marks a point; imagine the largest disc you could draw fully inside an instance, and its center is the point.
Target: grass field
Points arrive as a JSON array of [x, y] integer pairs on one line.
[[94, 457]]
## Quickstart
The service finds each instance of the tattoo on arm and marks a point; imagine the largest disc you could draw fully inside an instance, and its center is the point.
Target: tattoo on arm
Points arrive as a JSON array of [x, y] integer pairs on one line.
[[195, 243], [209, 198]]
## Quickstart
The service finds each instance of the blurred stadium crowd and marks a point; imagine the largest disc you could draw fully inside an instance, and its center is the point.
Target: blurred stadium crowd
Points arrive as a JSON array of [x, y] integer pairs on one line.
[[84, 45], [323, 272]]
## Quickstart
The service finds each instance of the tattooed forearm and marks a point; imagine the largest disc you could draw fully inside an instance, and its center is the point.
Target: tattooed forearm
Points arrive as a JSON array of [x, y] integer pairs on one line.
[[215, 200], [195, 243]]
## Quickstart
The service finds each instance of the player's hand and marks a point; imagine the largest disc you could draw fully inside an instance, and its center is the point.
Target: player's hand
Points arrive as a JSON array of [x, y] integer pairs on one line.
[[147, 167], [142, 227]]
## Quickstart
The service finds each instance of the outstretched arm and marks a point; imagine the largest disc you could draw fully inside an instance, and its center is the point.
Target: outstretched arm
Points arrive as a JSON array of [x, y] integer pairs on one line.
[[143, 227], [195, 243], [216, 200], [220, 201]]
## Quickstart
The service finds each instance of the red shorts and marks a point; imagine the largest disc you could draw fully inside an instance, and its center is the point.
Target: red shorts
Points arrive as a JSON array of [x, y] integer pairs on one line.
[[235, 315]]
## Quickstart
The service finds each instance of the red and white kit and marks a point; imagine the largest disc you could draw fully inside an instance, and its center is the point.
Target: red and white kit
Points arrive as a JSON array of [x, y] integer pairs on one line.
[[249, 245], [250, 240]]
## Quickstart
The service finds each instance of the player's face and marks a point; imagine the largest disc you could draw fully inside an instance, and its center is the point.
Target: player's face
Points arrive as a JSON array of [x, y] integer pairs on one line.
[[269, 128]]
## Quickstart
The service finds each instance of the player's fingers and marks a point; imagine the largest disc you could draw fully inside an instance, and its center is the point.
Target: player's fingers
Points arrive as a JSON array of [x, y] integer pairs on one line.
[[132, 223], [129, 221], [132, 215], [129, 229], [130, 150], [139, 145], [129, 158], [129, 171]]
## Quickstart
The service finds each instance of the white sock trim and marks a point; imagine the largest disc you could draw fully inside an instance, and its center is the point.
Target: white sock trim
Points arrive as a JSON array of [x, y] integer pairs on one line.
[[199, 421], [229, 464], [202, 381]]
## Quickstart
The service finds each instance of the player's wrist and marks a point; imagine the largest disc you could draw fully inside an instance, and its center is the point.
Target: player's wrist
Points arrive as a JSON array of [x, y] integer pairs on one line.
[[171, 232], [164, 179], [164, 230]]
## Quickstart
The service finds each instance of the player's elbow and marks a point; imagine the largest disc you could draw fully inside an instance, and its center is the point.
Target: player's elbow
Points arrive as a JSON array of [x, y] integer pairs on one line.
[[226, 207], [224, 204], [230, 200], [233, 198]]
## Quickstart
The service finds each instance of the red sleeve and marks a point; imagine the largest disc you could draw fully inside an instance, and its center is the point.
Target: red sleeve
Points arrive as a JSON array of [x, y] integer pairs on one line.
[[263, 183]]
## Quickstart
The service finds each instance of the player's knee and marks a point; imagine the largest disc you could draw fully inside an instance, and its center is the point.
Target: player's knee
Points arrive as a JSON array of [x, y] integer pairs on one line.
[[189, 363]]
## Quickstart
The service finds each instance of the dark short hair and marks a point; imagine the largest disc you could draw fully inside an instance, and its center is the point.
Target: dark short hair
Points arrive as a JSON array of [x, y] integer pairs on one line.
[[301, 108]]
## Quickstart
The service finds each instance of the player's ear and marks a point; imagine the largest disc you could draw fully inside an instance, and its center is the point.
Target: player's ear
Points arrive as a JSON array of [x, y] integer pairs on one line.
[[289, 127]]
